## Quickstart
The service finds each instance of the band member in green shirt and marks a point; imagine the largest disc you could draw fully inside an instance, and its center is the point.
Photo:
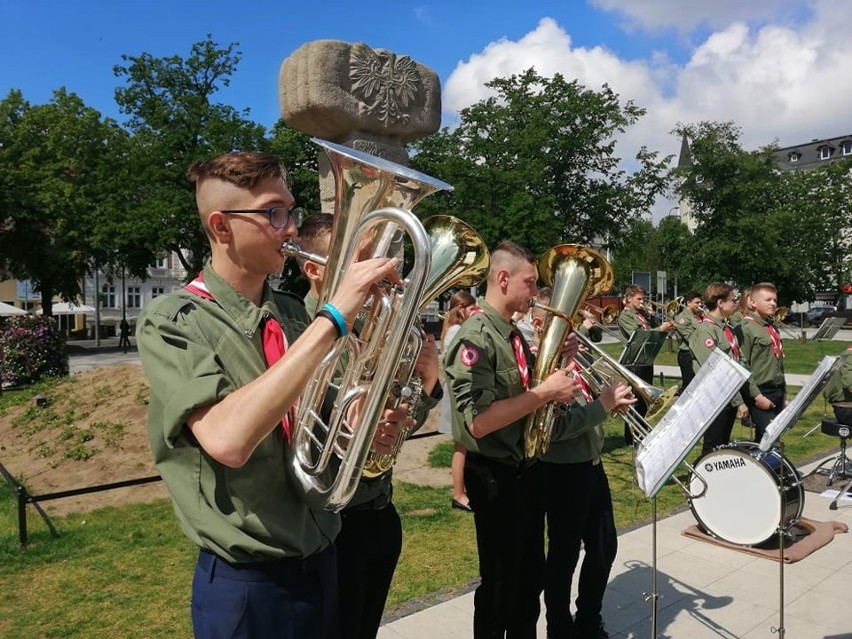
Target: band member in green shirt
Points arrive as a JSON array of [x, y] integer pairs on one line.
[[224, 378], [714, 332], [685, 323], [578, 502], [763, 353], [631, 319], [370, 539], [488, 368]]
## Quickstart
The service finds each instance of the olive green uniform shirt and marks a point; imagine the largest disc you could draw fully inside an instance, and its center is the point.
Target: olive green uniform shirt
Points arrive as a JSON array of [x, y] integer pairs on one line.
[[707, 336], [756, 353], [629, 322], [480, 368], [379, 489], [685, 323], [195, 352], [839, 386], [578, 435]]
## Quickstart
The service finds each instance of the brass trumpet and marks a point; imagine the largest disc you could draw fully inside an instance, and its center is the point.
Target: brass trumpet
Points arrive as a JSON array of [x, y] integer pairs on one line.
[[606, 315], [604, 370]]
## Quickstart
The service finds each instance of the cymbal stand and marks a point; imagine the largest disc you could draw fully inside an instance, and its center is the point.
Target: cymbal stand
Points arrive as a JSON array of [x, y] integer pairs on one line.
[[653, 596]]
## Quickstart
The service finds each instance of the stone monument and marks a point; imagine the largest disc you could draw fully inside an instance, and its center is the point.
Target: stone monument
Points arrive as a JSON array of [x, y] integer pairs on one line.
[[372, 100]]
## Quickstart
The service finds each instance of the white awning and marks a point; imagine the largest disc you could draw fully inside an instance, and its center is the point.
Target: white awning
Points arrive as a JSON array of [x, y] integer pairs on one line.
[[8, 309], [66, 308]]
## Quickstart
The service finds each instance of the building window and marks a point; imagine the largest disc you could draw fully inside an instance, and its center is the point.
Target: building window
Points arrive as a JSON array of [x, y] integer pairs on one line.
[[847, 147], [160, 262], [794, 157], [108, 296], [134, 297], [157, 291], [825, 152]]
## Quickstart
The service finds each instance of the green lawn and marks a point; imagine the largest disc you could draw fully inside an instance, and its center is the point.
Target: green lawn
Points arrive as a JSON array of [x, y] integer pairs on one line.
[[125, 572]]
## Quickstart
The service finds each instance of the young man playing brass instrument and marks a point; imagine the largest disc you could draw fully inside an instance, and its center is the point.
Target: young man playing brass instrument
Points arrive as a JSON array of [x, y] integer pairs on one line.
[[370, 539], [632, 318], [224, 379], [488, 368], [578, 504]]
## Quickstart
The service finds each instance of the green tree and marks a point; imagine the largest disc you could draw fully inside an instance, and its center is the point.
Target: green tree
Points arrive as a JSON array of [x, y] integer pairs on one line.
[[536, 162], [55, 160], [636, 252], [816, 212], [736, 198], [175, 122]]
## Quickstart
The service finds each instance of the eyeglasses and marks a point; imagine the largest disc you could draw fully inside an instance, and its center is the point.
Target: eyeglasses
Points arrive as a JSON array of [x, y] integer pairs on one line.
[[279, 216]]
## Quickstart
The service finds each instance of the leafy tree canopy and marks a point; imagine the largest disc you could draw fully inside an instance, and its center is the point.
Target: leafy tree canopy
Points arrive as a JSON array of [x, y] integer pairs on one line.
[[537, 163]]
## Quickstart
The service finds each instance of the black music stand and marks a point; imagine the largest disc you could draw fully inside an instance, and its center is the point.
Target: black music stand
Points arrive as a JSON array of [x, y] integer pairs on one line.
[[660, 452], [829, 328], [642, 348], [782, 421], [811, 388]]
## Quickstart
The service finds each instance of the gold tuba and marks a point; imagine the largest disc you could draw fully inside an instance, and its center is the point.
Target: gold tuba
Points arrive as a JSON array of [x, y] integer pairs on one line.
[[574, 272], [459, 258], [373, 198]]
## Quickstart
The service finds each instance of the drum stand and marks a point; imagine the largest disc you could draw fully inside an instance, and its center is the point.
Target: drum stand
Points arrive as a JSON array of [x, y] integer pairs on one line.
[[653, 596], [781, 536]]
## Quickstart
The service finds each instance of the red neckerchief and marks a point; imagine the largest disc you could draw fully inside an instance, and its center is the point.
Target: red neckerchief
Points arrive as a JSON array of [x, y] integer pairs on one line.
[[777, 346], [274, 341], [584, 387], [642, 320], [517, 346], [732, 339]]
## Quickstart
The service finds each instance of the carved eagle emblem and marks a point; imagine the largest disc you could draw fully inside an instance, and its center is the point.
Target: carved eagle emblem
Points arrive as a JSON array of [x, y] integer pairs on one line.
[[384, 82]]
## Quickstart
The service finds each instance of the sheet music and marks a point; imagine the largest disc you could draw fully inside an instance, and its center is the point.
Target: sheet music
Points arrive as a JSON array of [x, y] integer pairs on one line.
[[791, 413], [669, 442]]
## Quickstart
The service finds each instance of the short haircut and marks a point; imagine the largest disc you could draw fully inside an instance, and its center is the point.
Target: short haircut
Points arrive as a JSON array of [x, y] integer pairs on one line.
[[691, 295], [315, 228], [764, 286], [716, 292], [241, 168], [508, 251], [633, 289]]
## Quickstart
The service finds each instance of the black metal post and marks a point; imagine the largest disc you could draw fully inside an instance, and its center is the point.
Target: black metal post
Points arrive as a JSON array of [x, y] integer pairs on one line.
[[22, 515]]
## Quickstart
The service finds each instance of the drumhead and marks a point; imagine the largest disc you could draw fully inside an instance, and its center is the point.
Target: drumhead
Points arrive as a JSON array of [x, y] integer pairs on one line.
[[742, 504]]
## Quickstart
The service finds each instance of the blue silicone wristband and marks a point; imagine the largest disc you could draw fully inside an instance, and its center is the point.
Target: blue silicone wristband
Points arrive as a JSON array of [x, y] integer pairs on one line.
[[337, 317]]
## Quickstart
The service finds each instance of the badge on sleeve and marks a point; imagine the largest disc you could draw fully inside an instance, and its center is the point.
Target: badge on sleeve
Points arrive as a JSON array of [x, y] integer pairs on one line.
[[469, 356], [681, 321], [709, 343]]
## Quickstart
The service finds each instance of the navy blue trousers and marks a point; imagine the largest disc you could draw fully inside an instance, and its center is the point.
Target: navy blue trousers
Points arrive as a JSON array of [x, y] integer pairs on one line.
[[284, 599]]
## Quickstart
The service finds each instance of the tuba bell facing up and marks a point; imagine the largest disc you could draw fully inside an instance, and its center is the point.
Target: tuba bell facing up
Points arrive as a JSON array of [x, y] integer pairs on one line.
[[373, 198], [574, 273]]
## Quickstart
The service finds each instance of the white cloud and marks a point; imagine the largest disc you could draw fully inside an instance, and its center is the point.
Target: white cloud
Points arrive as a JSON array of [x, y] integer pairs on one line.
[[774, 81], [686, 15]]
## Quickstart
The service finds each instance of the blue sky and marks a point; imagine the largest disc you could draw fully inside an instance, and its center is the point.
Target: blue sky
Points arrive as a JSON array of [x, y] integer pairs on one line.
[[777, 68], [76, 44]]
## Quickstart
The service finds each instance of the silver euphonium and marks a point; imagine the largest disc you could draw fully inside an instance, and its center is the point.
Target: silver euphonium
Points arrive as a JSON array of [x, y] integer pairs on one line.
[[575, 273], [373, 202]]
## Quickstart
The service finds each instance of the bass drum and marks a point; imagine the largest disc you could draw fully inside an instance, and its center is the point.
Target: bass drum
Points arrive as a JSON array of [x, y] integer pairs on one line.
[[745, 500]]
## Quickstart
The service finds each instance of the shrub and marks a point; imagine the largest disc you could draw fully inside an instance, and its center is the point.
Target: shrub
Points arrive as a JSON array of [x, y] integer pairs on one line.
[[31, 348]]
